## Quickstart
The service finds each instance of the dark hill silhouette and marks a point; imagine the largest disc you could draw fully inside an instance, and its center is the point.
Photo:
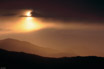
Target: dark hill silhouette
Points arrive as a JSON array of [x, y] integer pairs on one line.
[[23, 46], [20, 60]]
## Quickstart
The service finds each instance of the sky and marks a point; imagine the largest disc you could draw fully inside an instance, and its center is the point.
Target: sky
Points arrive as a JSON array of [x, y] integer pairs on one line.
[[75, 26]]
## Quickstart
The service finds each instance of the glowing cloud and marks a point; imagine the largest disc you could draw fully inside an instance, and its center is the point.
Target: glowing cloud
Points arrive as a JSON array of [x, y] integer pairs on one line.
[[30, 25]]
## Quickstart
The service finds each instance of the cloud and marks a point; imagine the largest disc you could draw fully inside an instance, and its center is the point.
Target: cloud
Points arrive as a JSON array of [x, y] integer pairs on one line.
[[70, 15], [4, 31], [1, 29], [9, 14]]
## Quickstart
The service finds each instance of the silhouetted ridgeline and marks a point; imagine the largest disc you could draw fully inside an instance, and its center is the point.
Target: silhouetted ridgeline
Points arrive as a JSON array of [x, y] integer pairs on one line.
[[19, 60]]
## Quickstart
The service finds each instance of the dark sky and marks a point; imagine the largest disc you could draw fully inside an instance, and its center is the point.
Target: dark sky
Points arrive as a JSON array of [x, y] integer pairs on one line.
[[79, 10]]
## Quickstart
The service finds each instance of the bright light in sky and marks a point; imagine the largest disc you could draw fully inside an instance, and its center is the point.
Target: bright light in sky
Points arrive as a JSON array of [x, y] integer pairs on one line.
[[30, 25], [27, 24], [28, 13], [29, 18]]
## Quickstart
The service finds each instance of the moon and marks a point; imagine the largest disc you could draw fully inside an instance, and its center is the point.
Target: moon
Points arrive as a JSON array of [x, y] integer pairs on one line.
[[28, 13], [30, 23]]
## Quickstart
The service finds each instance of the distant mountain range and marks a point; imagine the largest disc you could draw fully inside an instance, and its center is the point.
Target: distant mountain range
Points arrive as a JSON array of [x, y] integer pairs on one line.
[[20, 60], [23, 46]]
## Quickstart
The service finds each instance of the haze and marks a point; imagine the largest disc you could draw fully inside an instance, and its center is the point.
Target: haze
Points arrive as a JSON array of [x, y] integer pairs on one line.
[[81, 34]]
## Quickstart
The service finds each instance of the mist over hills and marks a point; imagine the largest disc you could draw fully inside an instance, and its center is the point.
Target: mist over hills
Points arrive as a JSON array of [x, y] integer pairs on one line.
[[23, 46]]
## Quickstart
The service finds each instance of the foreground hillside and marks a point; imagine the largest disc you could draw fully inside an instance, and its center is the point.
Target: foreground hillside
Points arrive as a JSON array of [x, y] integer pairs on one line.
[[19, 60]]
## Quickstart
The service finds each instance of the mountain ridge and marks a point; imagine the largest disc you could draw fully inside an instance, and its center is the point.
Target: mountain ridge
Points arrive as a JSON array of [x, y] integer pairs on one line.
[[20, 60], [23, 46]]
